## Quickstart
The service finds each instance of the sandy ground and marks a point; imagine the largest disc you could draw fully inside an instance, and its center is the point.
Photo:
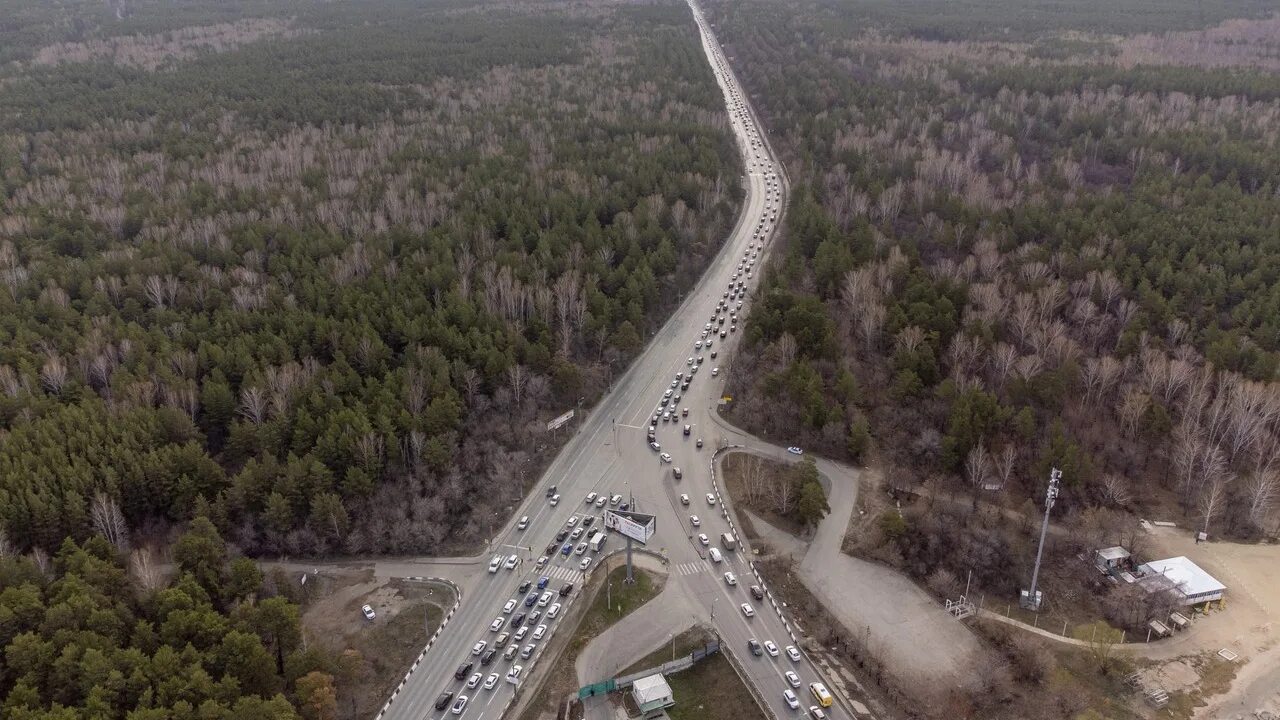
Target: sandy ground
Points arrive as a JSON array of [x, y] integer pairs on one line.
[[1249, 625]]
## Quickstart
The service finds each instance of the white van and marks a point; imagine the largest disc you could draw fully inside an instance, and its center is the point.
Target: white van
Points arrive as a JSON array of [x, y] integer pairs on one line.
[[495, 563], [715, 555], [513, 675]]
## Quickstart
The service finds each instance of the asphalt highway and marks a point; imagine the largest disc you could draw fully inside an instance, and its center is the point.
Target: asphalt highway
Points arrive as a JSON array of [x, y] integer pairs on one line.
[[610, 454]]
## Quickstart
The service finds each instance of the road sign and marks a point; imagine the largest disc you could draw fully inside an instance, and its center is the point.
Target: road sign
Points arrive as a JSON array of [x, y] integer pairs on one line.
[[637, 526], [559, 421]]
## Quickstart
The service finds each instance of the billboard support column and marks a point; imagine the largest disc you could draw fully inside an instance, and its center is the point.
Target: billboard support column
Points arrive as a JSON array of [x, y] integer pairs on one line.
[[630, 577]]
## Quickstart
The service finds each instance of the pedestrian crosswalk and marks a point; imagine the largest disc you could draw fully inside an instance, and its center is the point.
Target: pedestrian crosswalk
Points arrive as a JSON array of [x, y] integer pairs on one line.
[[690, 568], [562, 573]]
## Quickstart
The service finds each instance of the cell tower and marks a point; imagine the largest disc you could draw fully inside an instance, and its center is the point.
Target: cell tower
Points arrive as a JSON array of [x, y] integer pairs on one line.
[[1030, 599]]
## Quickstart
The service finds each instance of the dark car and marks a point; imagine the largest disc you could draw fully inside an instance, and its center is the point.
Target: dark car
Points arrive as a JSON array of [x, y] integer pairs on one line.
[[529, 601], [442, 702], [551, 491], [560, 536], [542, 582], [756, 592], [551, 548], [588, 521], [566, 589], [516, 622], [755, 647], [487, 657], [568, 548], [463, 670], [524, 587]]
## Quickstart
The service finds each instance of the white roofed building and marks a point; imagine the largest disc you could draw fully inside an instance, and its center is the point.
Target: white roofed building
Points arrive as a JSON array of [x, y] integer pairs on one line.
[[1186, 579], [652, 694]]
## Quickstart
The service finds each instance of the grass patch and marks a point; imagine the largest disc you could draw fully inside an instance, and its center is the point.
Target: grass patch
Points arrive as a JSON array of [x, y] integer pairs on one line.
[[1216, 675], [608, 606], [740, 469], [685, 643], [389, 648], [711, 690]]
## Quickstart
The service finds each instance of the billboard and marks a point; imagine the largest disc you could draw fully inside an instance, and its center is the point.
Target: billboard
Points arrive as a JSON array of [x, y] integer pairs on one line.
[[559, 421], [637, 526]]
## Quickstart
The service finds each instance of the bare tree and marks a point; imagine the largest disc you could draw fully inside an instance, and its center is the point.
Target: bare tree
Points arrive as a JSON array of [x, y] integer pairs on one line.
[[978, 465], [517, 379], [1116, 489], [253, 404], [1132, 407], [1263, 491], [53, 374], [1005, 463], [7, 548], [109, 521], [145, 570], [1212, 497]]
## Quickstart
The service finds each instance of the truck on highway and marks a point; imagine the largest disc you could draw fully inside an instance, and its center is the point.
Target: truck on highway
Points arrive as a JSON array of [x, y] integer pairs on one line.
[[597, 541], [728, 541]]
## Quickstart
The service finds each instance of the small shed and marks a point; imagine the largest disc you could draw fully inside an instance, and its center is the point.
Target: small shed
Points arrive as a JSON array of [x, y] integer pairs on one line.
[[652, 694], [1191, 583], [1113, 558]]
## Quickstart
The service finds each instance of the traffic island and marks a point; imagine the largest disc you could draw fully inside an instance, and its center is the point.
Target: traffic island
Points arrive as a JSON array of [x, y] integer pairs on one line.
[[611, 599]]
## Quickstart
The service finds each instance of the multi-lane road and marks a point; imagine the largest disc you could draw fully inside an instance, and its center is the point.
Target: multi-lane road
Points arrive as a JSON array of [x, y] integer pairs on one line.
[[611, 454]]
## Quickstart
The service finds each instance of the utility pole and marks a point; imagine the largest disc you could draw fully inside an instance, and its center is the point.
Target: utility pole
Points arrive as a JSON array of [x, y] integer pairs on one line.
[[1031, 598]]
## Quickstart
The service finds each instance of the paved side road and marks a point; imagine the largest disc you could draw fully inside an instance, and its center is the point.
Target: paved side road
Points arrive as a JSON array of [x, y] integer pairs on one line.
[[915, 638]]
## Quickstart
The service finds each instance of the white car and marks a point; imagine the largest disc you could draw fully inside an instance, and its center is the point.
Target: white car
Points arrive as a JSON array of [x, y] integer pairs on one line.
[[729, 578], [368, 612], [539, 632], [748, 610], [491, 682], [793, 653], [711, 499], [524, 522], [511, 605], [553, 611], [474, 680], [600, 501], [496, 625], [495, 563], [479, 647], [555, 499], [586, 563], [461, 703], [702, 538], [770, 648], [665, 457], [543, 560], [684, 499], [591, 497], [715, 371], [694, 521], [511, 562], [513, 675], [792, 701], [795, 450], [573, 520], [792, 679]]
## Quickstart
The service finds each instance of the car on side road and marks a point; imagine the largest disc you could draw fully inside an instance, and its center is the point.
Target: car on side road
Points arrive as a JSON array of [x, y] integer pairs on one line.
[[795, 450]]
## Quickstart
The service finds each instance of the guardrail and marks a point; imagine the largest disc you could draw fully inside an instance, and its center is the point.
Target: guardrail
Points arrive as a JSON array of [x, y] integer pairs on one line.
[[457, 602], [746, 680]]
